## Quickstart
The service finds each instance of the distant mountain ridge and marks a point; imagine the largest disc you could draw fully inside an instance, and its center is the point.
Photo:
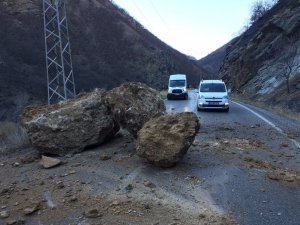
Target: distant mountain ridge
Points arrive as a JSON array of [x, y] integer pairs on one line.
[[108, 48], [213, 61]]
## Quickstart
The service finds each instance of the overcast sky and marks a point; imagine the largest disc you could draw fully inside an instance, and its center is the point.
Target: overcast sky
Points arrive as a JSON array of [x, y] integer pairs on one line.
[[194, 27]]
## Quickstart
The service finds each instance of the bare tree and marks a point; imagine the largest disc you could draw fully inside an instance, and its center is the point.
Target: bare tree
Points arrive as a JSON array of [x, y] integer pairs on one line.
[[259, 9], [290, 63]]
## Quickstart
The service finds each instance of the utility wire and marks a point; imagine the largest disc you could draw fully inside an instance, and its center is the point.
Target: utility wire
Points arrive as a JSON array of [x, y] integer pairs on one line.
[[159, 15], [140, 11]]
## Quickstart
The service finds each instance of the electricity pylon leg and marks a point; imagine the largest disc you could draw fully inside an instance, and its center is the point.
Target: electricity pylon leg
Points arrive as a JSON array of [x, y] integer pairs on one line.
[[60, 79]]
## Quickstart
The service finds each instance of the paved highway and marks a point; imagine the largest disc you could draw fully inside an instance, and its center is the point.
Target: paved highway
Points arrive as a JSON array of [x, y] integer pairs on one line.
[[248, 161]]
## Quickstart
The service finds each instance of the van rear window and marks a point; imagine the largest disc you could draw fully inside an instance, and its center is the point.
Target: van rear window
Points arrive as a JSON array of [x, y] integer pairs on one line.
[[177, 83], [212, 87]]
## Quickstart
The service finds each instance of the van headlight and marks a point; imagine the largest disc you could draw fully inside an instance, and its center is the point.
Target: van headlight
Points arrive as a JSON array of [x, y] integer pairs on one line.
[[184, 90]]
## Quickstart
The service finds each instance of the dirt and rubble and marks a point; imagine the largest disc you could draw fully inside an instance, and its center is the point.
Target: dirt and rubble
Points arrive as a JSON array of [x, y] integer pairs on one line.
[[108, 184]]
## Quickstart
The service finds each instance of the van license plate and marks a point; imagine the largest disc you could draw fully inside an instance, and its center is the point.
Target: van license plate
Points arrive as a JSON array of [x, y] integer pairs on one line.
[[213, 103]]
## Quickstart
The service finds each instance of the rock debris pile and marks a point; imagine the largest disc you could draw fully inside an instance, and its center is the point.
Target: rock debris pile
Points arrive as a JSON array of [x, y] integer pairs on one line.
[[92, 118]]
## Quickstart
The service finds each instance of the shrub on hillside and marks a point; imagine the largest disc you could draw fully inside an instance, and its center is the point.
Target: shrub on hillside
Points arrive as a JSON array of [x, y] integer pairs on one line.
[[12, 136]]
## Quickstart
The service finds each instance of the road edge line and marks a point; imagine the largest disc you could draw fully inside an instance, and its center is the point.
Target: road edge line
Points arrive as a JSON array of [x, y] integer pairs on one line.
[[296, 143]]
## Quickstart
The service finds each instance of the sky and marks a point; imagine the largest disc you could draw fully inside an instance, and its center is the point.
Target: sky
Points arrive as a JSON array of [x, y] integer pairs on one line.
[[193, 27]]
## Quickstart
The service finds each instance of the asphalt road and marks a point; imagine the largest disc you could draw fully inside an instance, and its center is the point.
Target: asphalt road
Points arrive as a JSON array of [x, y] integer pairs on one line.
[[245, 160], [244, 164]]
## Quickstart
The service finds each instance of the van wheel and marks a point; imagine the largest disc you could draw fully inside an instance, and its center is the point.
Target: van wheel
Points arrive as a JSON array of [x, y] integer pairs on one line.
[[226, 110], [198, 109]]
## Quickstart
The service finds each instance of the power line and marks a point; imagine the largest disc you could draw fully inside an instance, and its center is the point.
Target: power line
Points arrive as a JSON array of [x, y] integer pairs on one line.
[[158, 13], [140, 11]]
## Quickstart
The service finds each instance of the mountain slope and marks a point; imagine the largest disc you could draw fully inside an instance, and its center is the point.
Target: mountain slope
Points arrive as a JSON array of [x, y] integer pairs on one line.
[[258, 63], [108, 47], [213, 61]]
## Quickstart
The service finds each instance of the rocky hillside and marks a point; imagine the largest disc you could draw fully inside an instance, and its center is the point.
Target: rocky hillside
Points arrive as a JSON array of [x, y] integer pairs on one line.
[[213, 61], [264, 62], [108, 47]]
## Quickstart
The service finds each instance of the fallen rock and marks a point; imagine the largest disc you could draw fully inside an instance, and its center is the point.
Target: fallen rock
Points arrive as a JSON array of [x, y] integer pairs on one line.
[[115, 203], [4, 214], [163, 141], [92, 213], [105, 157], [133, 104], [33, 208], [49, 162], [70, 126], [147, 183], [20, 221]]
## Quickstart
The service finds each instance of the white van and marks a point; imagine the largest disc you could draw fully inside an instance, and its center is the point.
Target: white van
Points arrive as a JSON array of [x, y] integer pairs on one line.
[[177, 87], [212, 95]]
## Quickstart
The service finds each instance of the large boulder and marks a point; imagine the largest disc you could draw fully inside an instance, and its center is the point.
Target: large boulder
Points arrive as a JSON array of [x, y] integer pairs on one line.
[[133, 104], [70, 126], [163, 141]]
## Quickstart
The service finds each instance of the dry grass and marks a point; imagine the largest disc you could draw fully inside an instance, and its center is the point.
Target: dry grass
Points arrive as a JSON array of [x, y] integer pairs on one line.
[[12, 136]]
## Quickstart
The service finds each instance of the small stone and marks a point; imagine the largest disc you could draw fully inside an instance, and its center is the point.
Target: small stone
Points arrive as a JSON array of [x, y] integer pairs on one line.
[[92, 213], [202, 216], [73, 199], [34, 207], [49, 162], [4, 214], [196, 142], [20, 221], [148, 183], [60, 185], [115, 203], [146, 206], [279, 214], [129, 187], [16, 164], [105, 157]]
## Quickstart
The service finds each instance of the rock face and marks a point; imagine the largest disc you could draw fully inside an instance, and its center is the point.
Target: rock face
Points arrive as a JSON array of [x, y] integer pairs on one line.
[[133, 104], [163, 141], [263, 63], [70, 126]]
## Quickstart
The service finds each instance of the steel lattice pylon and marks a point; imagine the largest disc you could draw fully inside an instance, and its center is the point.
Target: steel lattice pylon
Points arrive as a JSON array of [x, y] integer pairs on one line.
[[60, 79]]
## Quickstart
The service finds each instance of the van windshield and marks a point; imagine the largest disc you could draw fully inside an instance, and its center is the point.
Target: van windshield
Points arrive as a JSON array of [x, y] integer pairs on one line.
[[212, 87], [177, 83]]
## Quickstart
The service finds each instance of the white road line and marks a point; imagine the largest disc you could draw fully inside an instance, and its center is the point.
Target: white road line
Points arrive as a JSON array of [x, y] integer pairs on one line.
[[296, 143]]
